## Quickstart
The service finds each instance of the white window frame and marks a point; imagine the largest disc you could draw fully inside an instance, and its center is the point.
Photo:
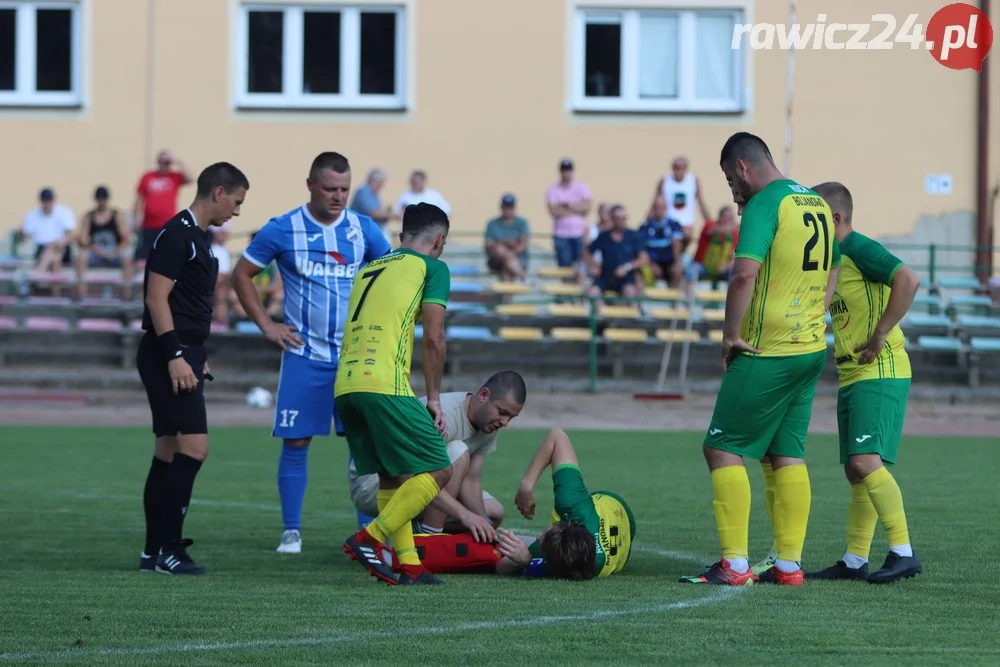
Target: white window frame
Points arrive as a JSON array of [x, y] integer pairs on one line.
[[292, 96], [25, 65], [629, 100]]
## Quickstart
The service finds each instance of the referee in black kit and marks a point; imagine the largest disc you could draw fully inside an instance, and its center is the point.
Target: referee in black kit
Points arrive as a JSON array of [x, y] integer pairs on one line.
[[179, 285]]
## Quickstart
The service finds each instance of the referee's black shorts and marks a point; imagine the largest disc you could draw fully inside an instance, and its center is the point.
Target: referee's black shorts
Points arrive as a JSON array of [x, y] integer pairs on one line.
[[173, 414]]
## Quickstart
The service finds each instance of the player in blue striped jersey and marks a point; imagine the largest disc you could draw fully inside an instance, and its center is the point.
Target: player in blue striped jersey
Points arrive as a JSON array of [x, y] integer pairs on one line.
[[319, 249]]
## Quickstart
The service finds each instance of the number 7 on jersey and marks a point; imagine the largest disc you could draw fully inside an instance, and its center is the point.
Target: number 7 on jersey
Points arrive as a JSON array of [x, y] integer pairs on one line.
[[370, 276]]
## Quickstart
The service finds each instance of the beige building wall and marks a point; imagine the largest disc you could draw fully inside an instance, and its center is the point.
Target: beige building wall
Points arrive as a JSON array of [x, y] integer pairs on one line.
[[489, 113]]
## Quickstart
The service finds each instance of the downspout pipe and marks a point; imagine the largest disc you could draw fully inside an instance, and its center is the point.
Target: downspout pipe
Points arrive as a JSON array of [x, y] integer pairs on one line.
[[984, 222]]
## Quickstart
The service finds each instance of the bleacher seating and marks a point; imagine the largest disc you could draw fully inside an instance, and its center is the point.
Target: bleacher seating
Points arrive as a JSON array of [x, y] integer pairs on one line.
[[545, 322]]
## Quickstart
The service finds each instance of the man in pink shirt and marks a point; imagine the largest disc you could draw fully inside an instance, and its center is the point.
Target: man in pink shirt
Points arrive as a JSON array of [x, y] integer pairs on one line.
[[569, 203]]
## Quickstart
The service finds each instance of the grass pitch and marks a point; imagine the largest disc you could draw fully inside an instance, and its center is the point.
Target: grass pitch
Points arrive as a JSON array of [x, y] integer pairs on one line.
[[72, 531]]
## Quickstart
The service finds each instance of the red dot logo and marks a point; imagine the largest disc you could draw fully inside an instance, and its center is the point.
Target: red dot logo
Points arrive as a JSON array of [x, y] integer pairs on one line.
[[959, 36]]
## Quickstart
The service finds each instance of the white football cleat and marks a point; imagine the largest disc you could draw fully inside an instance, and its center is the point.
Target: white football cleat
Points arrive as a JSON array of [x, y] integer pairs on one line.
[[291, 542]]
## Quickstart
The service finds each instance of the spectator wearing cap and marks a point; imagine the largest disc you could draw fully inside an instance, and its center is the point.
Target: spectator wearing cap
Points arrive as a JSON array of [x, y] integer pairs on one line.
[[569, 203], [507, 238], [104, 242], [49, 226], [367, 201], [419, 193]]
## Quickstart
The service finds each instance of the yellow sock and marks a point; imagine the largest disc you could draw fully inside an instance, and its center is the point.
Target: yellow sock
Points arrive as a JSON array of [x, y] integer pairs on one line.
[[732, 510], [861, 520], [792, 499], [383, 498], [769, 492], [406, 503], [402, 539], [888, 502]]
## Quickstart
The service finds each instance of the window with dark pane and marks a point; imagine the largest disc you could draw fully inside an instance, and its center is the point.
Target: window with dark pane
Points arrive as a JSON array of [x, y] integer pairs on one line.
[[378, 53], [602, 60], [265, 45], [321, 53], [54, 50], [8, 38]]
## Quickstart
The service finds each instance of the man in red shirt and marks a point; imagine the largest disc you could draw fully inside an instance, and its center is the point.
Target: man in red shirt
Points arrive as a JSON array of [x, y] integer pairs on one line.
[[156, 200], [713, 259]]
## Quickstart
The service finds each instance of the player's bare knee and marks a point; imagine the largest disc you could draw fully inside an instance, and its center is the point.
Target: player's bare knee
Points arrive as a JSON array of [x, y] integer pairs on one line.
[[556, 433], [193, 445], [298, 443], [862, 465], [443, 476]]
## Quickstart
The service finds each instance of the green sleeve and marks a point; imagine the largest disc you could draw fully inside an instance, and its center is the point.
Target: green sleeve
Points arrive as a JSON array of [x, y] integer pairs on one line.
[[491, 232], [757, 228], [437, 282], [875, 262], [572, 499], [836, 254]]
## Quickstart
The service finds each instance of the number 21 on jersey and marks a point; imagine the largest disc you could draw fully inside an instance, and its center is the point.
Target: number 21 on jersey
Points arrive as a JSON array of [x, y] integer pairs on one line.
[[819, 226]]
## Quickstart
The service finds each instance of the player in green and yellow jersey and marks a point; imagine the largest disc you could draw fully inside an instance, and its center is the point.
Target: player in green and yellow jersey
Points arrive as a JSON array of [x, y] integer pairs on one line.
[[874, 291], [388, 430], [590, 534], [774, 350]]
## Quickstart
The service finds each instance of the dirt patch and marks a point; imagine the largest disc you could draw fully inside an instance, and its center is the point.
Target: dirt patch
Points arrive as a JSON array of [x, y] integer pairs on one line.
[[602, 411]]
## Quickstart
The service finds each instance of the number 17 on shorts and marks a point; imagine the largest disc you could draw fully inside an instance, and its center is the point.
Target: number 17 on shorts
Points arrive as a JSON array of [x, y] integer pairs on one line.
[[304, 407]]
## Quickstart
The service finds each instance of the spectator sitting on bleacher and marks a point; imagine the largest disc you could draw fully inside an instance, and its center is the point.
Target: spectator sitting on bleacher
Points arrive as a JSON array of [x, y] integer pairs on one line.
[[623, 254], [220, 235], [104, 243], [663, 237], [49, 226], [713, 260], [269, 289], [507, 242]]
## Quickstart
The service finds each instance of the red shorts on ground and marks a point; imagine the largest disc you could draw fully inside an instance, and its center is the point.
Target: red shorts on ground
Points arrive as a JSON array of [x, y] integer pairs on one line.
[[455, 554]]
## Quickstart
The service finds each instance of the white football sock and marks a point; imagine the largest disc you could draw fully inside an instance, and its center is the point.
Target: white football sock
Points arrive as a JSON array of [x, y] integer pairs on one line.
[[787, 565], [903, 550], [739, 565], [854, 561], [429, 529]]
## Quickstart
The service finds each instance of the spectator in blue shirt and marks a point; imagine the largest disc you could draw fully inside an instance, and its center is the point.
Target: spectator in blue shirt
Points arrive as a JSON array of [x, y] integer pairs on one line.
[[623, 254], [664, 239], [367, 201], [507, 240]]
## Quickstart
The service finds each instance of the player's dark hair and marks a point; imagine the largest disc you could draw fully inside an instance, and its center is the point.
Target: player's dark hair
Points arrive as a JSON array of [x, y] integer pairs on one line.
[[507, 383], [838, 197], [221, 174], [570, 551], [329, 160], [747, 147], [420, 219]]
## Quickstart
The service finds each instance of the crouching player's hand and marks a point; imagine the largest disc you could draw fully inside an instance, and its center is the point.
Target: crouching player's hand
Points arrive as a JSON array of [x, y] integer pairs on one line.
[[480, 527], [513, 547]]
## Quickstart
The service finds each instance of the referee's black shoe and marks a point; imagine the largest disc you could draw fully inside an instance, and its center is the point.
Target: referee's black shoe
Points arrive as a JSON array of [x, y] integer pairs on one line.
[[175, 560]]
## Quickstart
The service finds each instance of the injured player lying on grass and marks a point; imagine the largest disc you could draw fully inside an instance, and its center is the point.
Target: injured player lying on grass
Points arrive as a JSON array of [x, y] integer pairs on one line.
[[590, 534]]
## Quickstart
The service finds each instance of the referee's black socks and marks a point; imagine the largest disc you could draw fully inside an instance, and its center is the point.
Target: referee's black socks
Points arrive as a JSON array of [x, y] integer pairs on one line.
[[183, 470], [153, 497]]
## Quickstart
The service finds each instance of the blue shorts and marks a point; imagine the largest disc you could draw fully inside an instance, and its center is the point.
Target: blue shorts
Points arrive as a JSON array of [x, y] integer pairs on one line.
[[569, 252], [304, 406]]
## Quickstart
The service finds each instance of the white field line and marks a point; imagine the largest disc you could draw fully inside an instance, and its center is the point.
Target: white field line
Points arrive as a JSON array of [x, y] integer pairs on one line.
[[716, 597]]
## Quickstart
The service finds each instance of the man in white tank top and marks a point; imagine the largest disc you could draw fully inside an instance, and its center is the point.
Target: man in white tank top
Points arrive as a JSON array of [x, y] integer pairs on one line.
[[682, 190]]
